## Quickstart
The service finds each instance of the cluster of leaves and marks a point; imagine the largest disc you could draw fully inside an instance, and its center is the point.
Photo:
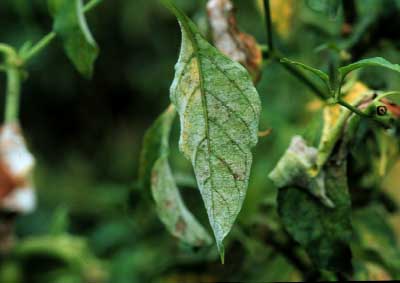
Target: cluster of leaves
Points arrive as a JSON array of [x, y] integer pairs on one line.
[[219, 112], [327, 220]]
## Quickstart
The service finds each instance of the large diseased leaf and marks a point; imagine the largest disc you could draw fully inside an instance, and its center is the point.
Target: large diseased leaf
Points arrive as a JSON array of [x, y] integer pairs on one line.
[[324, 232], [219, 112], [155, 173], [70, 24]]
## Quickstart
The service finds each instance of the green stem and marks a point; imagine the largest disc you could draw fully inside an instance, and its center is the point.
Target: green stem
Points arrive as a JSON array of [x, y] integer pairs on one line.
[[49, 38], [12, 94], [353, 108], [7, 50], [46, 40], [304, 79], [268, 25], [89, 6]]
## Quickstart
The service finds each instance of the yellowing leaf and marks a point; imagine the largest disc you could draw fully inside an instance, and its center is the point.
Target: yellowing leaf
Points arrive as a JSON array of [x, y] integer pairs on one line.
[[219, 111]]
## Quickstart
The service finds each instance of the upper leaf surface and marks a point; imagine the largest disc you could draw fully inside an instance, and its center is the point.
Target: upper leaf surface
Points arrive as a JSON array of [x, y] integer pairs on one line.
[[219, 111], [371, 62], [70, 24], [324, 232]]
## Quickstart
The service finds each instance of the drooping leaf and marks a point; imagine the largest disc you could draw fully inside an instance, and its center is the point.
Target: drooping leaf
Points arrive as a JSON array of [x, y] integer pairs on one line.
[[70, 24], [320, 74], [156, 174], [371, 62], [328, 7], [171, 208], [219, 112], [155, 145], [324, 232]]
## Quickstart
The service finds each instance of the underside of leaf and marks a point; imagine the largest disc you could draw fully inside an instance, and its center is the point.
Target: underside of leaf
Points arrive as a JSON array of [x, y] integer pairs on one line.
[[219, 112]]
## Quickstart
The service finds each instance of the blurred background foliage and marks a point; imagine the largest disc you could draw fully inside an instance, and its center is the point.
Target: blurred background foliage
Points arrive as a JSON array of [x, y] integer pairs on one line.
[[94, 224]]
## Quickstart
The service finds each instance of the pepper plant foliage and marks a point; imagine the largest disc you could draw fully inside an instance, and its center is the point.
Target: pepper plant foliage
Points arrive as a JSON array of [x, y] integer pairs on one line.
[[219, 112], [329, 212]]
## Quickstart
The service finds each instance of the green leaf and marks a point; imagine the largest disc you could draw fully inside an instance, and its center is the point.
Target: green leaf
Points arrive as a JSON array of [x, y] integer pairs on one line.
[[328, 7], [155, 145], [374, 234], [371, 62], [219, 111], [70, 24], [156, 173], [325, 233], [320, 74], [171, 208]]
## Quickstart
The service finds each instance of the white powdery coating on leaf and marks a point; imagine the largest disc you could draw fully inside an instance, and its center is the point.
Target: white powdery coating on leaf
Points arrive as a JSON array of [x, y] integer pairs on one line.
[[13, 152], [219, 110], [17, 163], [20, 200]]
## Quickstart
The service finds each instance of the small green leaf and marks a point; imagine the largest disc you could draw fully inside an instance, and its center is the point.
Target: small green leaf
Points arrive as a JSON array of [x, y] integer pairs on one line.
[[371, 62], [219, 110], [155, 172], [327, 7], [320, 74], [70, 24], [324, 232]]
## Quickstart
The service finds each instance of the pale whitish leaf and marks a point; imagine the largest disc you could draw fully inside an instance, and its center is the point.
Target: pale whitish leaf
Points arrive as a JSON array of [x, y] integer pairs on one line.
[[219, 110], [371, 62], [156, 173], [70, 24], [295, 168]]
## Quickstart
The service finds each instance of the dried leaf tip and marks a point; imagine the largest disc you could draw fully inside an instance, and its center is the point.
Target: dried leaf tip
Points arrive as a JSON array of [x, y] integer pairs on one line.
[[227, 37]]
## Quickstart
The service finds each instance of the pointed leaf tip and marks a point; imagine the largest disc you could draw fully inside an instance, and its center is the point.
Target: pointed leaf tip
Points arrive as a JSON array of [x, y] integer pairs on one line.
[[219, 110]]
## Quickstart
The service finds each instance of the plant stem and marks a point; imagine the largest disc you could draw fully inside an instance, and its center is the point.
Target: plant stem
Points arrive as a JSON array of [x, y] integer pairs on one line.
[[48, 38], [273, 54], [12, 94], [352, 108], [305, 80], [268, 25], [89, 6]]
